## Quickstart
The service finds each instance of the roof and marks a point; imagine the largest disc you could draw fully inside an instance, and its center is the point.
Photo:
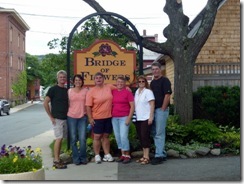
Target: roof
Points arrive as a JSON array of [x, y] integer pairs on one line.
[[16, 15], [195, 24]]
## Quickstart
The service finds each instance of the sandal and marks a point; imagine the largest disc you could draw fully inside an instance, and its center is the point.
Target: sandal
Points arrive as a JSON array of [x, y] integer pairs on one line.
[[145, 161], [59, 165], [140, 160]]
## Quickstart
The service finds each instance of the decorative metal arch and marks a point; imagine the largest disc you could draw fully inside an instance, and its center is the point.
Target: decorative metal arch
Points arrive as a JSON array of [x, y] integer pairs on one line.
[[105, 13]]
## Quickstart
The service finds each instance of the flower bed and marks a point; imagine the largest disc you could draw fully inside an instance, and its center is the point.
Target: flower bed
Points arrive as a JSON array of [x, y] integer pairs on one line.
[[14, 159]]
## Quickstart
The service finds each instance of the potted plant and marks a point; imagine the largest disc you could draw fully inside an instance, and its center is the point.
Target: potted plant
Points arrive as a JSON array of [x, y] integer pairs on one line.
[[21, 163]]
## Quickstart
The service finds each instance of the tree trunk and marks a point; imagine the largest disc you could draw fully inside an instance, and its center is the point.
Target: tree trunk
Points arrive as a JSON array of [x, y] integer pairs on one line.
[[183, 99]]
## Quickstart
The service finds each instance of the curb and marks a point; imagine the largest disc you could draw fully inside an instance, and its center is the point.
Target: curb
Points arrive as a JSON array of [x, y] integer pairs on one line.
[[22, 106]]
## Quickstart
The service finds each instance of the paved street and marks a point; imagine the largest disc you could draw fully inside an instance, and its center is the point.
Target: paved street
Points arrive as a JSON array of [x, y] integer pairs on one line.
[[198, 169], [23, 123]]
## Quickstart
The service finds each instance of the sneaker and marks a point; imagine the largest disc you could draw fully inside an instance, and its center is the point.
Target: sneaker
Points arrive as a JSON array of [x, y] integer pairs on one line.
[[164, 158], [108, 158], [157, 160], [98, 159], [120, 159], [126, 160]]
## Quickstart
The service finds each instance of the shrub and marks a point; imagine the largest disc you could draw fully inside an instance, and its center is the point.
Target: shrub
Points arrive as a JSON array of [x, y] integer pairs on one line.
[[89, 148], [220, 104], [134, 142], [204, 131], [113, 145], [230, 138], [175, 132]]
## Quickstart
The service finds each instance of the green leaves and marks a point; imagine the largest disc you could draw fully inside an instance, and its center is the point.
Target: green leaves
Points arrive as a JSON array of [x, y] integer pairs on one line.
[[219, 104], [17, 160], [50, 65], [19, 86], [32, 68]]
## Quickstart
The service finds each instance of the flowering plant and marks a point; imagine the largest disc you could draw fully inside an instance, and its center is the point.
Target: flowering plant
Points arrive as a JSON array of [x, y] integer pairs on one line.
[[14, 159]]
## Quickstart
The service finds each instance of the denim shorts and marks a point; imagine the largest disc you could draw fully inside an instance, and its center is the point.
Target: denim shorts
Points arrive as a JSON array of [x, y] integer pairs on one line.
[[103, 126]]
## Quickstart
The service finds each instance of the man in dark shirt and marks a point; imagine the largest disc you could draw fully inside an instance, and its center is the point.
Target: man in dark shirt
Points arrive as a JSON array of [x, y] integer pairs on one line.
[[161, 88], [58, 97]]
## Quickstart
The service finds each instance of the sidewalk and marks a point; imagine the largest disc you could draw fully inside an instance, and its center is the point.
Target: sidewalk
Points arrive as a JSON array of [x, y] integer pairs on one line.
[[22, 106], [199, 169]]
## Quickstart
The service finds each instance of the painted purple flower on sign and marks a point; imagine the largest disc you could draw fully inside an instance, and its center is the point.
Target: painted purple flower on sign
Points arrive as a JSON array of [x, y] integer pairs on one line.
[[105, 49]]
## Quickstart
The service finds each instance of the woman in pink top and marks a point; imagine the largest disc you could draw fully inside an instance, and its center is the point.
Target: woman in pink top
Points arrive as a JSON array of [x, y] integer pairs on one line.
[[122, 110], [77, 120]]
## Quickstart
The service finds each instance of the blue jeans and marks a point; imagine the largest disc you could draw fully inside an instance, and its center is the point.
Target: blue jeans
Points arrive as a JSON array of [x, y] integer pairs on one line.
[[121, 131], [77, 132], [158, 131]]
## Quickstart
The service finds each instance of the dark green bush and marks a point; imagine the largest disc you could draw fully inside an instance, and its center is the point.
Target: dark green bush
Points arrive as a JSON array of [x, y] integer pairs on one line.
[[113, 145], [89, 148], [230, 138], [134, 141], [175, 132], [171, 109], [203, 131], [220, 104]]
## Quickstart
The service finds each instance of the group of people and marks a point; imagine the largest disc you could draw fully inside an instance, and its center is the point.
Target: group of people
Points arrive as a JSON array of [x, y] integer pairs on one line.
[[108, 108]]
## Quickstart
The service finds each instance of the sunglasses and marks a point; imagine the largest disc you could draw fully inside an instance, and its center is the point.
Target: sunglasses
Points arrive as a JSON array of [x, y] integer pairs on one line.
[[141, 81]]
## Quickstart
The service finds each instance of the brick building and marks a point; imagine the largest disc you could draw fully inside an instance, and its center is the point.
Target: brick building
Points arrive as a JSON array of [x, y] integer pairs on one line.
[[12, 50]]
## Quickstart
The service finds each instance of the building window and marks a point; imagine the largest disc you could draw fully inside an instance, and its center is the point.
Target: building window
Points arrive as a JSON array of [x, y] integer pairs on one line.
[[20, 65], [11, 34], [23, 65], [11, 61], [23, 44], [18, 39]]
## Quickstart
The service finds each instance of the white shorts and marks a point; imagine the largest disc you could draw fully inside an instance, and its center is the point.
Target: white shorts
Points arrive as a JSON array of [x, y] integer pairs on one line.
[[60, 128]]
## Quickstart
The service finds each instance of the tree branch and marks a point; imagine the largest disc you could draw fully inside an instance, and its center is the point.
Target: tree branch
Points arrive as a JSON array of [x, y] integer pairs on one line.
[[177, 29], [208, 17], [176, 32], [154, 46]]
